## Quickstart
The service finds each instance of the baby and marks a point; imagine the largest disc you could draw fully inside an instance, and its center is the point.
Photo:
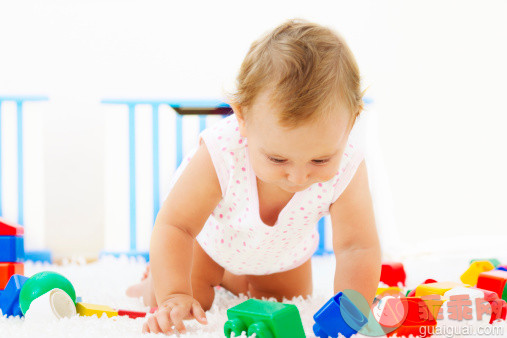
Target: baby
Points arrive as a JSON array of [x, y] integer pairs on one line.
[[243, 209]]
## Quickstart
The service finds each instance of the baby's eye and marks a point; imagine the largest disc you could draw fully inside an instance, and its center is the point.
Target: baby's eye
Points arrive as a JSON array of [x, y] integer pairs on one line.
[[276, 160], [320, 161]]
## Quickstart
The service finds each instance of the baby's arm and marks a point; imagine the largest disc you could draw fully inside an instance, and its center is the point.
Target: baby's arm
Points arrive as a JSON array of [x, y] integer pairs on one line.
[[355, 240], [182, 216]]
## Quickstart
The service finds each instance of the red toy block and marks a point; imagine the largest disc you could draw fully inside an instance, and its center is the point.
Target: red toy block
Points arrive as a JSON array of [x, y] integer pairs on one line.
[[419, 320], [493, 280], [392, 274], [131, 314], [10, 229], [9, 269], [498, 310]]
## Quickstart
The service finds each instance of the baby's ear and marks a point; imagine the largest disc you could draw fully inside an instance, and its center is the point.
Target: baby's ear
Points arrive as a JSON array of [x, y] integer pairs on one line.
[[241, 120]]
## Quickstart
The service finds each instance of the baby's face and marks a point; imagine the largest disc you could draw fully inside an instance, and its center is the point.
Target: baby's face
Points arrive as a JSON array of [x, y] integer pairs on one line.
[[293, 159]]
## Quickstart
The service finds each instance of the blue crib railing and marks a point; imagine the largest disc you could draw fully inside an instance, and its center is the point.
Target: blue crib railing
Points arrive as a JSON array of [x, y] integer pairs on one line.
[[202, 108], [182, 107], [40, 255]]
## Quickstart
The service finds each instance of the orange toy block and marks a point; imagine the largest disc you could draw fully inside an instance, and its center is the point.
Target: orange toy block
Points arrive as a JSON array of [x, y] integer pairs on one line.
[[7, 270], [438, 288], [10, 229], [471, 276]]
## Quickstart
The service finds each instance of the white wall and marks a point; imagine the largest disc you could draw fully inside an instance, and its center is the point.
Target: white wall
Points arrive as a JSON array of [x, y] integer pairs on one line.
[[436, 70]]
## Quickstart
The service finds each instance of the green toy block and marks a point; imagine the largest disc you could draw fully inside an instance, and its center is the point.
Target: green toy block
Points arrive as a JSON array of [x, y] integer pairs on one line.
[[264, 318], [493, 261], [42, 282], [504, 293]]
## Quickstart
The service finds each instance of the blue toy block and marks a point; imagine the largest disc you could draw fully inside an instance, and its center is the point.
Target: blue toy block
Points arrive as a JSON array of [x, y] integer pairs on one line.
[[38, 256], [9, 298], [131, 253], [12, 249], [338, 315]]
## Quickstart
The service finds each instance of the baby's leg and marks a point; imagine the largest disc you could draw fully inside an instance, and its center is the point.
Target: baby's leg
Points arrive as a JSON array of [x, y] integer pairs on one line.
[[205, 275], [237, 284], [288, 284]]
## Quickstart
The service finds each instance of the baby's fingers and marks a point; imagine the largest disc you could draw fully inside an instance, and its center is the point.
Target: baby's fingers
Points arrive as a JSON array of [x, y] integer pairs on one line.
[[164, 321], [199, 313], [177, 315], [151, 326]]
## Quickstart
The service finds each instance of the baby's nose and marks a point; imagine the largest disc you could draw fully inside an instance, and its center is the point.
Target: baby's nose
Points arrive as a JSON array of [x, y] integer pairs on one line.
[[299, 177]]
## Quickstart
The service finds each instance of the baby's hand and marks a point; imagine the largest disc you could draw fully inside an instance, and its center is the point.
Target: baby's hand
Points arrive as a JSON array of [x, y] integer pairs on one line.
[[172, 312]]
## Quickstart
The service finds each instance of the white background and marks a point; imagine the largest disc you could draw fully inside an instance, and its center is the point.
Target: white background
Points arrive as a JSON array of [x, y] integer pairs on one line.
[[436, 70]]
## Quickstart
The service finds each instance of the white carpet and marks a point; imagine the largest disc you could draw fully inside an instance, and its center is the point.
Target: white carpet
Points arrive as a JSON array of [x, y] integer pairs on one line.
[[104, 282]]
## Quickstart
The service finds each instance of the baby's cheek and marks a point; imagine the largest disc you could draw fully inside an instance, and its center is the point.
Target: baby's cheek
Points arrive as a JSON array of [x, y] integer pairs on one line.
[[328, 173]]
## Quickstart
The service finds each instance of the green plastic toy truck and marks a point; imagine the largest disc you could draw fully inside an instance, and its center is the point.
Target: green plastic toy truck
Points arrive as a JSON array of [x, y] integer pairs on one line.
[[264, 318]]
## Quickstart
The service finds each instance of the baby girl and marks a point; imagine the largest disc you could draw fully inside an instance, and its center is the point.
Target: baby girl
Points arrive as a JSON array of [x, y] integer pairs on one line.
[[243, 208]]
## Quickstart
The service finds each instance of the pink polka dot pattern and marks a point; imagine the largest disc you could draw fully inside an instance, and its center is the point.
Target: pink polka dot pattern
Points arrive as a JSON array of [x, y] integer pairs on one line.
[[235, 236]]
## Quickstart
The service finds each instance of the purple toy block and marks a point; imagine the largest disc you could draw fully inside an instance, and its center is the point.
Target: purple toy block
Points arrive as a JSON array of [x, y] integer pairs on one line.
[[9, 298]]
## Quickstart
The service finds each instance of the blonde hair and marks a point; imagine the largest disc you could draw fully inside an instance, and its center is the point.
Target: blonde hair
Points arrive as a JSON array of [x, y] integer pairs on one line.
[[309, 67]]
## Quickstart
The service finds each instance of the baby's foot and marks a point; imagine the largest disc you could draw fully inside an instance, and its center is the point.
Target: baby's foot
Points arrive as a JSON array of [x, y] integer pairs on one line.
[[144, 289]]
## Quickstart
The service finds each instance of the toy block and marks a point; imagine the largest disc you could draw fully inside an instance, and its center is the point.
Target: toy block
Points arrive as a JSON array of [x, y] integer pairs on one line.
[[42, 282], [265, 319], [392, 274], [471, 275], [86, 309], [427, 281], [502, 267], [438, 288], [493, 261], [10, 229], [38, 256], [7, 270], [338, 316], [493, 280], [488, 294], [131, 314], [472, 292], [499, 310], [11, 249], [390, 291], [9, 298], [413, 313]]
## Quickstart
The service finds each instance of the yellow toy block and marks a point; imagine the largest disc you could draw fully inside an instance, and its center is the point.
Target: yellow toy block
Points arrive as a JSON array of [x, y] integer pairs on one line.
[[85, 309], [436, 288], [389, 291], [472, 274]]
